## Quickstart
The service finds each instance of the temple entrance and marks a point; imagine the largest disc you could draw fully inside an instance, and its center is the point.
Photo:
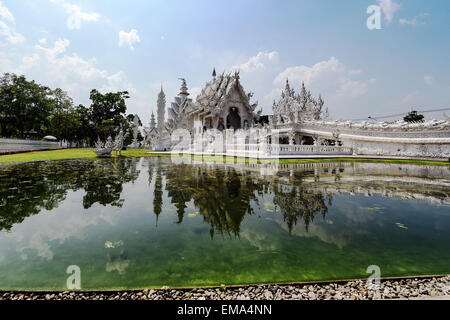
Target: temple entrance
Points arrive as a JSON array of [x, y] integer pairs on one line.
[[307, 140], [221, 126], [233, 119]]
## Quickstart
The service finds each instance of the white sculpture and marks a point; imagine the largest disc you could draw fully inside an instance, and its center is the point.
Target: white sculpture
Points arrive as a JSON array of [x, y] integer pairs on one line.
[[135, 142], [118, 141], [104, 151]]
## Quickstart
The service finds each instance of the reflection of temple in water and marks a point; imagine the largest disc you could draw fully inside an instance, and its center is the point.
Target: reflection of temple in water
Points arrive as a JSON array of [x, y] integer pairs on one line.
[[225, 193], [222, 196], [405, 181], [222, 193]]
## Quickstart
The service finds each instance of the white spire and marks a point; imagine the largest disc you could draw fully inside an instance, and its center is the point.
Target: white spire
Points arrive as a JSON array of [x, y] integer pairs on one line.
[[152, 121], [161, 103]]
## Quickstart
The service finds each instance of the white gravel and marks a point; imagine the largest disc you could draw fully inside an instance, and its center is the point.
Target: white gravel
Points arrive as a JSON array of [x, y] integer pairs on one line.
[[413, 288]]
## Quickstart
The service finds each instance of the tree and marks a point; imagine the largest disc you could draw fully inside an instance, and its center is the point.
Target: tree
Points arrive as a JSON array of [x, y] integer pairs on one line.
[[84, 129], [62, 116], [413, 116], [27, 107], [107, 112], [24, 106]]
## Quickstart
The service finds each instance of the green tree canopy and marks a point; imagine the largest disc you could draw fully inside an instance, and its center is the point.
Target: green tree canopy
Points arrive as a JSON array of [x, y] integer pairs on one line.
[[107, 111], [28, 109], [24, 106], [413, 116]]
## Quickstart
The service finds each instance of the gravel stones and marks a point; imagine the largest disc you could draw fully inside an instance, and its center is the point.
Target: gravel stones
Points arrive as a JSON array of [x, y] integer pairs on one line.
[[411, 288]]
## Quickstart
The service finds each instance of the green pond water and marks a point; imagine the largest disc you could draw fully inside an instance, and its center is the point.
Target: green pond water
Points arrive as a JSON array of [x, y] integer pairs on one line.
[[149, 222]]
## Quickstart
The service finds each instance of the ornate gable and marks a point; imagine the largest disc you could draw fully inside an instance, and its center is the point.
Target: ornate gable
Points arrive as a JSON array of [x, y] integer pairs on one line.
[[220, 91]]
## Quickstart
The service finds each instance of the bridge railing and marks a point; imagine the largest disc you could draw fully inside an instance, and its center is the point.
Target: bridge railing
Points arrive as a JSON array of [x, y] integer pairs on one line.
[[283, 149]]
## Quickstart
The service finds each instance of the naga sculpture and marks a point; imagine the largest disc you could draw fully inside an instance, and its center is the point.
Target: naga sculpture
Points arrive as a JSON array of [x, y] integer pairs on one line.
[[104, 151], [117, 145]]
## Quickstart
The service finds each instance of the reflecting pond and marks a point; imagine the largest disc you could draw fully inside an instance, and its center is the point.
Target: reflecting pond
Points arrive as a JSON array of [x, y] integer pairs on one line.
[[149, 222]]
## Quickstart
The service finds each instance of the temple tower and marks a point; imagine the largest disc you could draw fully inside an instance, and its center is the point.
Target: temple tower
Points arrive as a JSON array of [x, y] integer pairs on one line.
[[152, 121], [161, 103]]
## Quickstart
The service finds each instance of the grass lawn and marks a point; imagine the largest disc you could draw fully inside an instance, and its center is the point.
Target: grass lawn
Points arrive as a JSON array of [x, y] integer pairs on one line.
[[89, 153], [65, 154]]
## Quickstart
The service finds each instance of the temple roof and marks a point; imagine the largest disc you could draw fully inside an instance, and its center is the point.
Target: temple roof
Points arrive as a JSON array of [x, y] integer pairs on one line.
[[302, 104], [214, 95]]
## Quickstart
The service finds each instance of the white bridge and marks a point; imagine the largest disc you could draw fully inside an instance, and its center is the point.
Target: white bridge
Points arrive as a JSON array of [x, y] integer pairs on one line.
[[428, 140]]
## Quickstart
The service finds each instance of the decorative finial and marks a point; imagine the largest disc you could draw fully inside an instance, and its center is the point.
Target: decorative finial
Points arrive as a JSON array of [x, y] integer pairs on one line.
[[214, 73], [183, 89]]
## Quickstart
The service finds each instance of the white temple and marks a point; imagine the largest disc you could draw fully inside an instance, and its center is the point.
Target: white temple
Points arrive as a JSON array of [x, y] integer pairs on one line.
[[222, 104], [298, 127]]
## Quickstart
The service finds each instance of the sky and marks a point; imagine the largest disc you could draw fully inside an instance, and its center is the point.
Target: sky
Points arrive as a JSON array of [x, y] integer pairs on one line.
[[137, 45]]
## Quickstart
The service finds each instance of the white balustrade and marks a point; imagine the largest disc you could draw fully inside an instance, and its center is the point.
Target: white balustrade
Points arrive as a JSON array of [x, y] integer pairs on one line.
[[281, 149]]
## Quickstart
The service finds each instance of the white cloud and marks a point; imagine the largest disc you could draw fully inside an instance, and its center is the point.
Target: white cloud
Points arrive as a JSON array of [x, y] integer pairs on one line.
[[417, 20], [429, 80], [5, 63], [330, 75], [43, 41], [77, 75], [59, 47], [352, 89], [10, 34], [118, 82], [5, 14], [332, 67], [6, 31], [75, 14], [128, 38], [194, 92], [411, 97], [258, 62], [29, 62], [273, 95], [389, 8]]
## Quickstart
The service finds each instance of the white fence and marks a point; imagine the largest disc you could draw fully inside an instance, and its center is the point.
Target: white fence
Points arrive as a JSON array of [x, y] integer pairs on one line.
[[308, 149], [7, 144], [272, 150]]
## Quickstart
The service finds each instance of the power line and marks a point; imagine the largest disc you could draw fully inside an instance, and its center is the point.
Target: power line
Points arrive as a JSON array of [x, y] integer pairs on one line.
[[401, 114], [435, 110]]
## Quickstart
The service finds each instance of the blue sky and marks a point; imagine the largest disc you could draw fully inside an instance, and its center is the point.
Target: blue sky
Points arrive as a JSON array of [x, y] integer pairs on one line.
[[135, 45]]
